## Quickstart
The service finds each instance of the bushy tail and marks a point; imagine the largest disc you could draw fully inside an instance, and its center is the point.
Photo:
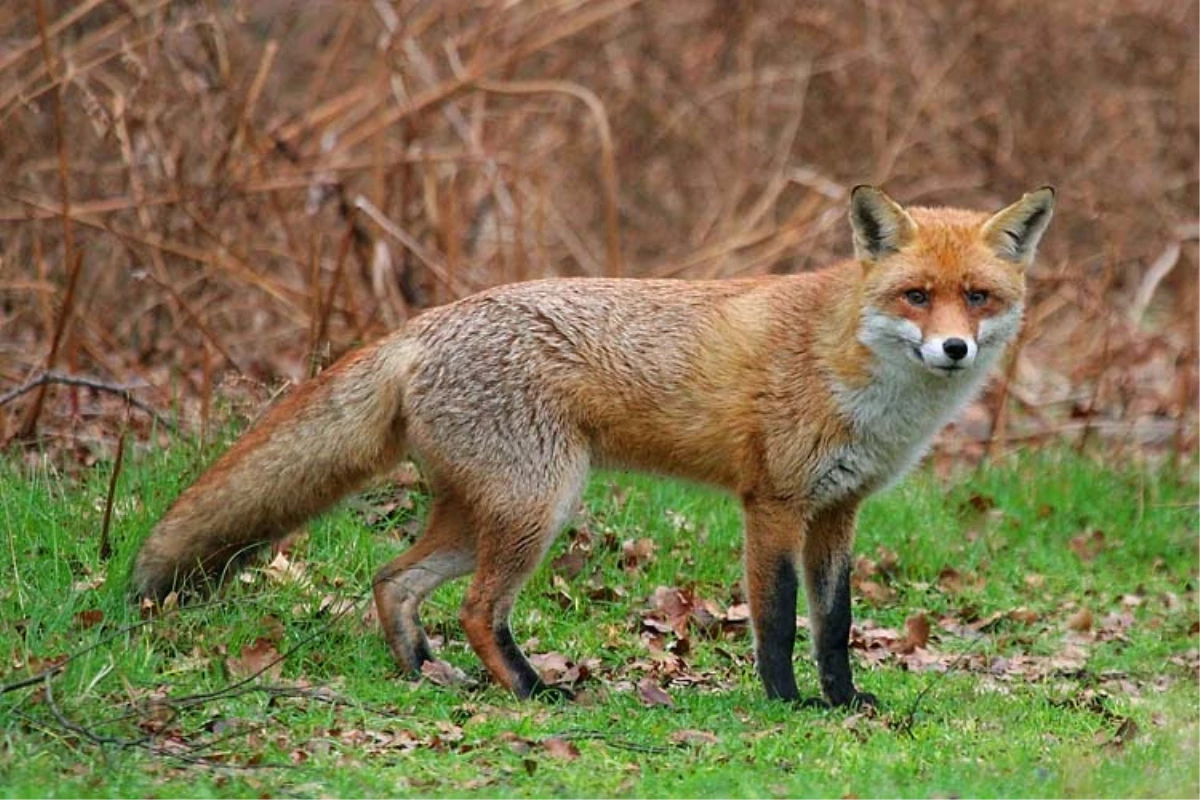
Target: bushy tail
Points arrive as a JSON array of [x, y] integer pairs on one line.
[[322, 441]]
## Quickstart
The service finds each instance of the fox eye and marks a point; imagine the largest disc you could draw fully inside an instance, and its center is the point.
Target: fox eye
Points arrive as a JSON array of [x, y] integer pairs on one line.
[[917, 297], [976, 298]]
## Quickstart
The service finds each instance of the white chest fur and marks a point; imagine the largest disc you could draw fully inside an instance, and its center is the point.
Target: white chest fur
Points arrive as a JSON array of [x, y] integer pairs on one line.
[[892, 419]]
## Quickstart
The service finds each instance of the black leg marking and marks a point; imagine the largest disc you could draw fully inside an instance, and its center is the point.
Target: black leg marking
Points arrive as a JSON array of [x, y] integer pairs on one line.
[[832, 630], [776, 634], [526, 681], [415, 645]]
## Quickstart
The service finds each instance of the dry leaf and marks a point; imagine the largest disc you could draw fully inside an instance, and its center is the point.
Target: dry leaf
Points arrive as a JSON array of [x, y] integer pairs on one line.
[[1125, 733], [443, 674], [560, 748], [1087, 545], [570, 563], [337, 606], [636, 553], [875, 593], [694, 737], [89, 618], [738, 613], [916, 630], [652, 694], [1023, 615], [283, 570], [258, 657], [1080, 621], [94, 582]]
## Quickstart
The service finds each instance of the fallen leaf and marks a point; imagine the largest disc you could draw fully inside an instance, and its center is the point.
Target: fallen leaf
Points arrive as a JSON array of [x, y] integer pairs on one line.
[[650, 693], [336, 606], [94, 582], [1080, 621], [557, 747], [875, 593], [672, 606], [636, 554], [570, 563], [284, 570], [889, 560], [89, 618], [440, 673], [606, 594], [738, 613], [916, 629], [694, 737], [1023, 615], [1124, 734], [951, 581], [258, 657], [865, 568], [980, 503], [557, 669], [1087, 545]]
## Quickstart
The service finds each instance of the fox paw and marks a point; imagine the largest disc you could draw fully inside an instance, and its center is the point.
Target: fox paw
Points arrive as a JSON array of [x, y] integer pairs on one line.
[[554, 695], [857, 701]]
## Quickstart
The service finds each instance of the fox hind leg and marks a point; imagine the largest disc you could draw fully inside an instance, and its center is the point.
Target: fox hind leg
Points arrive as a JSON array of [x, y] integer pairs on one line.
[[444, 551], [511, 544]]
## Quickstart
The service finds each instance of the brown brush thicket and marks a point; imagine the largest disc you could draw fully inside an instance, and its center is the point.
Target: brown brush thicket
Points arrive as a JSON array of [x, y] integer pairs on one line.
[[196, 191]]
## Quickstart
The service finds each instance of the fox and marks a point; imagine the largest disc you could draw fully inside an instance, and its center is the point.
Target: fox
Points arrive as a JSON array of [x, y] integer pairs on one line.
[[800, 394]]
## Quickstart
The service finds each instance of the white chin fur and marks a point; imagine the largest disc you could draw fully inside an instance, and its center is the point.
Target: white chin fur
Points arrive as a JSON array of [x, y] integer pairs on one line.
[[896, 340]]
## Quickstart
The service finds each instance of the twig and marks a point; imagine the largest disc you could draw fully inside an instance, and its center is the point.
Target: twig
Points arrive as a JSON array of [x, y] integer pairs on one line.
[[116, 634], [188, 756], [105, 543], [906, 724], [399, 234], [611, 741], [124, 391], [1160, 269], [244, 685]]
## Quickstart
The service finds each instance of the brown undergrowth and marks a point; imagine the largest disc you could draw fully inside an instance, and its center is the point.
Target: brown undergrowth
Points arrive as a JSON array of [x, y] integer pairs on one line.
[[200, 199]]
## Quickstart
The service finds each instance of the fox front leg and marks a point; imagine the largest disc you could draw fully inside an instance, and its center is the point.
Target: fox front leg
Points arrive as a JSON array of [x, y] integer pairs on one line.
[[826, 555], [773, 537]]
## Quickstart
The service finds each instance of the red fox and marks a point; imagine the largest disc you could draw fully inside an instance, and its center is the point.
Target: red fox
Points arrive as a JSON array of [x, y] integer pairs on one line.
[[800, 394]]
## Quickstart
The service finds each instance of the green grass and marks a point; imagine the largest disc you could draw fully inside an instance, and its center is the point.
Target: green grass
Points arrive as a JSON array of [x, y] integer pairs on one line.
[[982, 728]]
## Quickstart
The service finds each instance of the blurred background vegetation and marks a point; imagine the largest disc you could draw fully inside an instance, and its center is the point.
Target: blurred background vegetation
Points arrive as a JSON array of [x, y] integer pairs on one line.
[[198, 199]]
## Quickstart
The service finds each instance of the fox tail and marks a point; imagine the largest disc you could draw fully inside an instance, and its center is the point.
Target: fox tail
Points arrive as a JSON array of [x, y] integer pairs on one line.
[[324, 440]]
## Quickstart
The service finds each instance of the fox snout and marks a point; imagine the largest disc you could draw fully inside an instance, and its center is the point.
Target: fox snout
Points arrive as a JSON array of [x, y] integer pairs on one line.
[[946, 354]]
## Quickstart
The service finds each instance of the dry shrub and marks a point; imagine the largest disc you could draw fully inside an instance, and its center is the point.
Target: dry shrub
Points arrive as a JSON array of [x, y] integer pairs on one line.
[[198, 189]]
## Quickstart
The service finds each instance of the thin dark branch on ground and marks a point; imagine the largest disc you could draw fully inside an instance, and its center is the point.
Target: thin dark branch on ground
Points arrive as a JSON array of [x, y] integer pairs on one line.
[[188, 753], [124, 391], [906, 723], [584, 735]]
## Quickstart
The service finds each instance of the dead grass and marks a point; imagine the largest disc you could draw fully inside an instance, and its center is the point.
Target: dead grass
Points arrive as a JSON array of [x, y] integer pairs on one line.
[[199, 189]]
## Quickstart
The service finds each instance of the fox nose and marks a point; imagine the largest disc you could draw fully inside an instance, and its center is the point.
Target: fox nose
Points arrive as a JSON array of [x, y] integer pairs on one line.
[[955, 348]]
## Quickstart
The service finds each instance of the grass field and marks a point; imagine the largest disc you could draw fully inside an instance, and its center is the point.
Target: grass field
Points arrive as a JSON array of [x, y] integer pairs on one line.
[[1030, 629]]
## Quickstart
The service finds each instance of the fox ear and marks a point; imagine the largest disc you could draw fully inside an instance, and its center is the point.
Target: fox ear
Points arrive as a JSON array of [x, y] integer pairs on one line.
[[880, 225], [1014, 233]]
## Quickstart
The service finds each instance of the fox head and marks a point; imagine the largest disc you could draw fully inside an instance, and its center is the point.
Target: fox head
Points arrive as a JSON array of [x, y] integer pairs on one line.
[[943, 289]]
